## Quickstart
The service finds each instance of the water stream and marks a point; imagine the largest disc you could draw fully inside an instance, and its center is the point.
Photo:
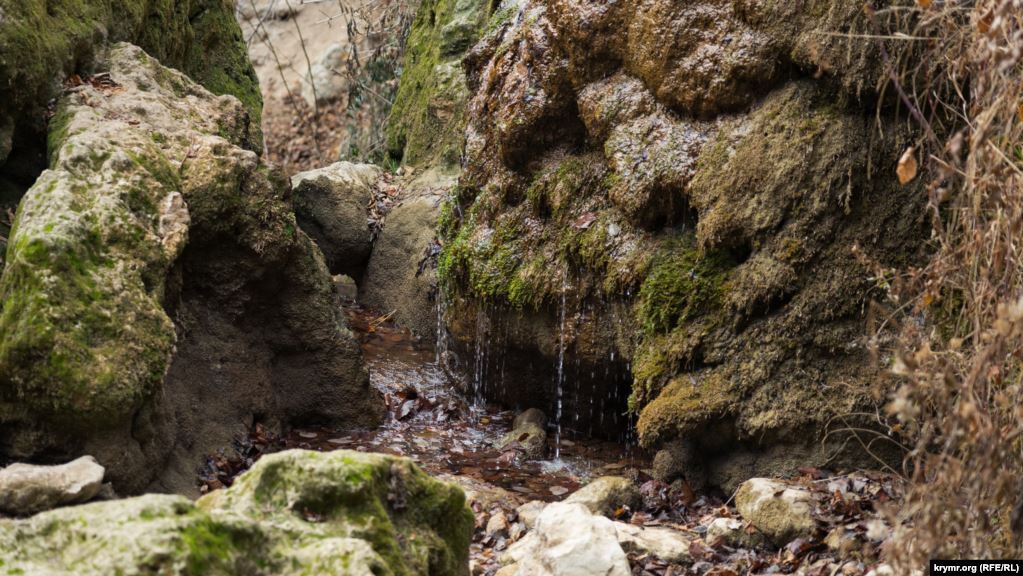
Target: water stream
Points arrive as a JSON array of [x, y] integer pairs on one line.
[[449, 435]]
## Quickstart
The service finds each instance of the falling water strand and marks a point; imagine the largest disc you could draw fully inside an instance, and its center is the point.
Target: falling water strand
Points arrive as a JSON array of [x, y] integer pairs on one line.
[[561, 372]]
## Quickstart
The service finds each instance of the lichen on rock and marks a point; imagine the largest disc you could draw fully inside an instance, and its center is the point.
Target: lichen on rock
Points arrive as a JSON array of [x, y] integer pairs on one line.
[[293, 513]]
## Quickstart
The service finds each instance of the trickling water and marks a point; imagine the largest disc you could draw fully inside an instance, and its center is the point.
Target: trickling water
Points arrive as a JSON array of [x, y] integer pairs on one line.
[[559, 390]]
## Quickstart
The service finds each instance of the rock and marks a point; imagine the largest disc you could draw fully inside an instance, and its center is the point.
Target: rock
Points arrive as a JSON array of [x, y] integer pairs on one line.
[[723, 179], [782, 513], [529, 512], [160, 298], [294, 512], [679, 460], [569, 541], [26, 488], [664, 543], [497, 525], [332, 207], [401, 275], [530, 441], [843, 542], [733, 532], [327, 80], [606, 494], [530, 416], [41, 48]]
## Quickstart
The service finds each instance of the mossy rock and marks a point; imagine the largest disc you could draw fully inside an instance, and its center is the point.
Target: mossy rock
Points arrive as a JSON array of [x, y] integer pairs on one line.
[[44, 42], [293, 513], [427, 120]]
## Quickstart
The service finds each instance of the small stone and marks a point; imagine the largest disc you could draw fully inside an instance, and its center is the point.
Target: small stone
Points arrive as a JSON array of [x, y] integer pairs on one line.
[[569, 541], [606, 494], [781, 512], [530, 416], [732, 532], [497, 525], [26, 489], [664, 543], [842, 541]]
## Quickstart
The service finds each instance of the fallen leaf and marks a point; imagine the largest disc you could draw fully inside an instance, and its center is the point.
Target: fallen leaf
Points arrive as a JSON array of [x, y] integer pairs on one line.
[[907, 166], [583, 222], [925, 4]]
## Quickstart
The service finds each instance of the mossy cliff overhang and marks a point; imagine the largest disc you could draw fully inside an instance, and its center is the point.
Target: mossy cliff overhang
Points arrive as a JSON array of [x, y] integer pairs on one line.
[[43, 42], [294, 513], [725, 223]]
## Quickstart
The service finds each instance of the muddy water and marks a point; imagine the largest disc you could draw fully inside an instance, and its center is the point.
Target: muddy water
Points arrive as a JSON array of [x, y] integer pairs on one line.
[[431, 423]]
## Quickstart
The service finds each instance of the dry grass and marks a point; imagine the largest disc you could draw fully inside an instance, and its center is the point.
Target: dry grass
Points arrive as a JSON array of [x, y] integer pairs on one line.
[[958, 70]]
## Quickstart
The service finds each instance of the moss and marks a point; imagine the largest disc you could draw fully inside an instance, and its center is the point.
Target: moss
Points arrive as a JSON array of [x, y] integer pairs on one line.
[[683, 283], [685, 405], [428, 116]]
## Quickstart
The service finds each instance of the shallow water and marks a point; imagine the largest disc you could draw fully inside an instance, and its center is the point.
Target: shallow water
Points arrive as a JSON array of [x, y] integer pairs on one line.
[[430, 422]]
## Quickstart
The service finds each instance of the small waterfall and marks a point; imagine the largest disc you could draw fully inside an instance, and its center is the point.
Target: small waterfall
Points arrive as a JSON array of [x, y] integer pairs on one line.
[[560, 382]]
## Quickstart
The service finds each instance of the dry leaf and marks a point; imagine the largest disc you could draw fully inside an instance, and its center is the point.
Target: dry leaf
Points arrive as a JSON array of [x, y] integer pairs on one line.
[[923, 3], [907, 166]]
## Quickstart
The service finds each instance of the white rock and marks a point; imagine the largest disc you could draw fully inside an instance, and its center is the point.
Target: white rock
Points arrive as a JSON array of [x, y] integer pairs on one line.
[[327, 79], [26, 488], [529, 512], [667, 544], [498, 524], [781, 512], [569, 541]]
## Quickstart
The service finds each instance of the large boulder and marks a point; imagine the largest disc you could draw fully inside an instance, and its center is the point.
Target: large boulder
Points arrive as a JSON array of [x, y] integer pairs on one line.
[[293, 513], [332, 207], [692, 227], [158, 296], [401, 276], [26, 488]]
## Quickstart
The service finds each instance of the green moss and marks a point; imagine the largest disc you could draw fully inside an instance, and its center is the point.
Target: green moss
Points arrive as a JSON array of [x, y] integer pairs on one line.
[[432, 80], [683, 283]]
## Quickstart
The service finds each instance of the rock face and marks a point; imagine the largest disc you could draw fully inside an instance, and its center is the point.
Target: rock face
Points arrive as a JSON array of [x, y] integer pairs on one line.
[[426, 121], [569, 541], [293, 513], [695, 222], [780, 512], [331, 206], [26, 489], [158, 295]]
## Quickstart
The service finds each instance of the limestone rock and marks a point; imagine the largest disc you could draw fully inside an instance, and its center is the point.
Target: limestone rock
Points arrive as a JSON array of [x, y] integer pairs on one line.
[[780, 512], [569, 541], [26, 488], [606, 494], [155, 208], [294, 512], [401, 275], [530, 416], [332, 207], [529, 440], [664, 543], [529, 512]]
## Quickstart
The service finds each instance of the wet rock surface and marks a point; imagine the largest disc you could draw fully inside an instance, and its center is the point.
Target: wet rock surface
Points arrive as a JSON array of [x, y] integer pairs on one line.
[[687, 225]]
